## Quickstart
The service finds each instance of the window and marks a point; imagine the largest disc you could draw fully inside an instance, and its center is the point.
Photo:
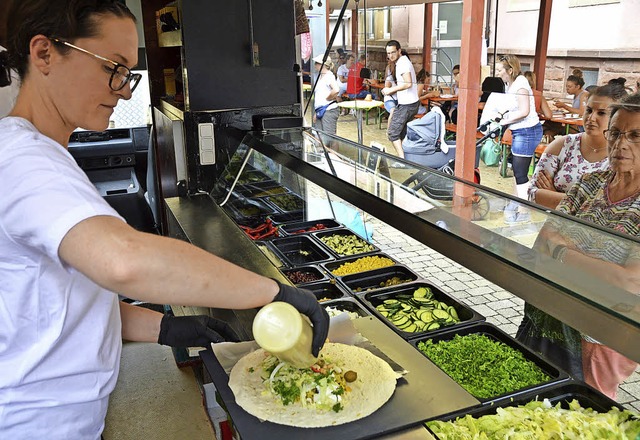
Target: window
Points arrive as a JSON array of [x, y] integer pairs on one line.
[[378, 23]]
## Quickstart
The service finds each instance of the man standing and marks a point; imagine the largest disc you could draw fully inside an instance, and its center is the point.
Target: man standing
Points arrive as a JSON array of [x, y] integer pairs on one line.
[[407, 92]]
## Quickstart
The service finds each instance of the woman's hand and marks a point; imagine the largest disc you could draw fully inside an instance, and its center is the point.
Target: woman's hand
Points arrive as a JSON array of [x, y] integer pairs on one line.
[[545, 181], [560, 105]]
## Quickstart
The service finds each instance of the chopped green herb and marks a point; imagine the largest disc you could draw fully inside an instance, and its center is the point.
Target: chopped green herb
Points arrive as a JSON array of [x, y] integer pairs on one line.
[[484, 367]]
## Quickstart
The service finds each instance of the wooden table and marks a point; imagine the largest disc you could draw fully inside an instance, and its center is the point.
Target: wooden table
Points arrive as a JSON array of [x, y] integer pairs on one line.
[[438, 99], [358, 105], [567, 122]]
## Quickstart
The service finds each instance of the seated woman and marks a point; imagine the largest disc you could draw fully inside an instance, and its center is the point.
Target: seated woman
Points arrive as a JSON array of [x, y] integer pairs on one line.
[[610, 199], [569, 157], [575, 84], [423, 79]]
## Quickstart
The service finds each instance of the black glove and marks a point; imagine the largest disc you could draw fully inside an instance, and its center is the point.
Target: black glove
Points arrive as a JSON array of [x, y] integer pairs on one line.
[[194, 331], [306, 303]]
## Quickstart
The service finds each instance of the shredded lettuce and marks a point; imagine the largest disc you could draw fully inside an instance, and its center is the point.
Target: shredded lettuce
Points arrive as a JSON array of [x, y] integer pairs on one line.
[[322, 386], [539, 420]]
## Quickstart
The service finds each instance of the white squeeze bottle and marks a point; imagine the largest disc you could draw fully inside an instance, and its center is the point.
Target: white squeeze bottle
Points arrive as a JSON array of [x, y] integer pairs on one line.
[[282, 331]]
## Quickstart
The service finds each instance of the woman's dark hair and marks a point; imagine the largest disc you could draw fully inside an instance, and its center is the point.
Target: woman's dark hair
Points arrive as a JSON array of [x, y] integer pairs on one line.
[[630, 103], [618, 81], [576, 78], [614, 91], [422, 75], [67, 20]]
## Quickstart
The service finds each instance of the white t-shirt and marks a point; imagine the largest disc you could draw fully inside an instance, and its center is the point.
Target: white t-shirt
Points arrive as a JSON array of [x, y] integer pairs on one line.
[[326, 81], [343, 70], [410, 95], [60, 333], [532, 118], [392, 80]]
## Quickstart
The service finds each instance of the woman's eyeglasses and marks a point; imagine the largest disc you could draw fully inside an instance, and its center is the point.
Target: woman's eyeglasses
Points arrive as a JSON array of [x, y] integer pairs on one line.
[[632, 136], [120, 74]]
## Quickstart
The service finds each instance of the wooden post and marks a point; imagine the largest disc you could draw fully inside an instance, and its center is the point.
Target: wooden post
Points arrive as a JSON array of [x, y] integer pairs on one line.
[[542, 42], [428, 29], [327, 10], [354, 32], [472, 20], [468, 95]]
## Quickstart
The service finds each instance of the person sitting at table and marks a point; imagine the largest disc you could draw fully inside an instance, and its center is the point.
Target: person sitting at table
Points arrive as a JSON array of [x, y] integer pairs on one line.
[[424, 78], [609, 199], [569, 157], [325, 96], [355, 86], [574, 86]]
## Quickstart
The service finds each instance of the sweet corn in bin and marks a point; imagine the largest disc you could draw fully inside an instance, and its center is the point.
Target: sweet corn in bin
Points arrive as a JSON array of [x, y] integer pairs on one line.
[[362, 265]]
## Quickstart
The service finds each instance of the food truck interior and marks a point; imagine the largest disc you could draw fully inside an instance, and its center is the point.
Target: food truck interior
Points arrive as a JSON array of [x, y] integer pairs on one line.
[[207, 163]]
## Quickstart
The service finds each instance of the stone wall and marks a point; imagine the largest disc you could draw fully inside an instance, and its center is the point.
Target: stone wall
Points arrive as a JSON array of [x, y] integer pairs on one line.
[[559, 68]]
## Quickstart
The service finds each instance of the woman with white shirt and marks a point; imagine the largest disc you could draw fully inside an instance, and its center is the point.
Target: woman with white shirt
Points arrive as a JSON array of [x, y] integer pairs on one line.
[[326, 94], [523, 121]]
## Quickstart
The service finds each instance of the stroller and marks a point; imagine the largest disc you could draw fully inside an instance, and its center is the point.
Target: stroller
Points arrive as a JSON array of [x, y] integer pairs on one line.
[[425, 145]]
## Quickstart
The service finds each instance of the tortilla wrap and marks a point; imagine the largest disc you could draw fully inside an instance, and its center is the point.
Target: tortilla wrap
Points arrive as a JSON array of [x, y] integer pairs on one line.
[[375, 384]]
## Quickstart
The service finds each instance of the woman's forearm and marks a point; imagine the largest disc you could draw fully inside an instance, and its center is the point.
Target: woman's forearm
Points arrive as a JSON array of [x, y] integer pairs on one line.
[[548, 198], [139, 324]]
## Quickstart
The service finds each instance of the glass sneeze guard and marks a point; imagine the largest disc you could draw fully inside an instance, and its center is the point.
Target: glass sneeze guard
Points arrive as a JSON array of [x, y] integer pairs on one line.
[[464, 222]]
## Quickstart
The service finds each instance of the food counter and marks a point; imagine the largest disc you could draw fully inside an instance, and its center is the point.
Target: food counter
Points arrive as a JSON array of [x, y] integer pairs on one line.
[[283, 182]]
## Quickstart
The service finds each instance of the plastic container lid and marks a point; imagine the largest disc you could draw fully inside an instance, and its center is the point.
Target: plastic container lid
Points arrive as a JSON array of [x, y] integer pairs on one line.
[[282, 331]]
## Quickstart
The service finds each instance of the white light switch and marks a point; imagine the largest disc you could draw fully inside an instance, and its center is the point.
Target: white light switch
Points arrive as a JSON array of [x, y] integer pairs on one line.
[[206, 144]]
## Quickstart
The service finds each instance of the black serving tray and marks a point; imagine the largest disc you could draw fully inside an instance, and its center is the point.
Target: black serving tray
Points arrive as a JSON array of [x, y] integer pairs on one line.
[[331, 266], [370, 281], [326, 289], [562, 393], [493, 332], [293, 227], [271, 253], [280, 219], [250, 177], [466, 314], [300, 250], [276, 201], [347, 304], [314, 270], [259, 188], [346, 232], [238, 209]]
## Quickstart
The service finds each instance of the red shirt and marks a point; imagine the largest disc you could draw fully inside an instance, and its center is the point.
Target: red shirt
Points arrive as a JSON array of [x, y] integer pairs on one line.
[[354, 82]]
